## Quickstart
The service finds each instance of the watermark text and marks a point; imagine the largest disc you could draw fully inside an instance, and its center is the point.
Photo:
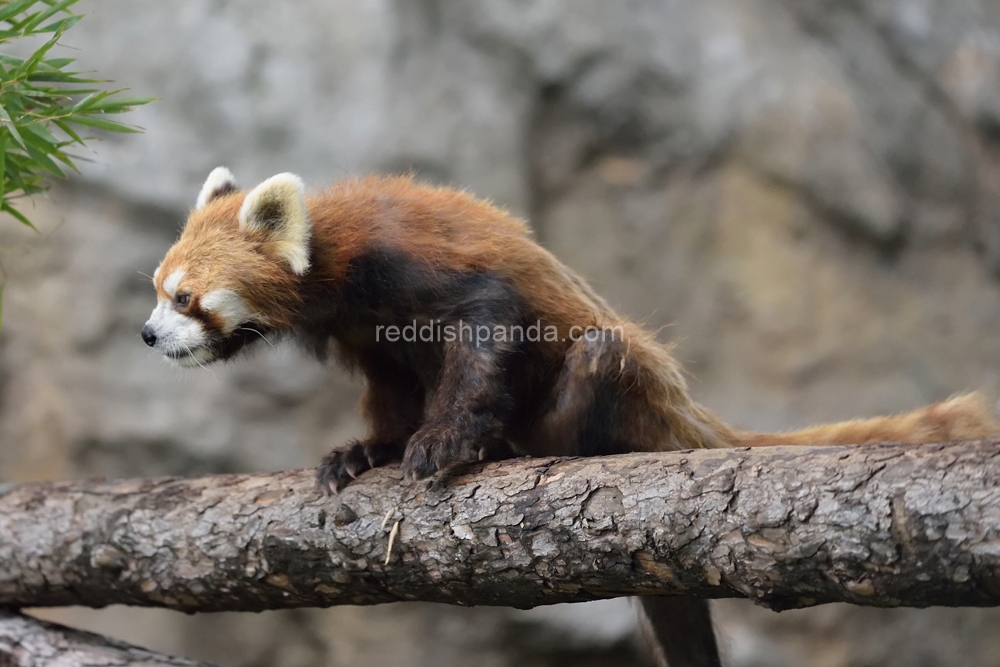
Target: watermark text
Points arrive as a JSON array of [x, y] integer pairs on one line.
[[436, 331]]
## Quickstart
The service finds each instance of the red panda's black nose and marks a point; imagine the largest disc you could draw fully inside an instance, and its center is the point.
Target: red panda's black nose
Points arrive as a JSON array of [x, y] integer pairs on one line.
[[148, 336]]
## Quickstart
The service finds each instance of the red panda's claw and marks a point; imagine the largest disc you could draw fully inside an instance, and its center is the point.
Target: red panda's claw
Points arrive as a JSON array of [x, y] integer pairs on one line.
[[341, 466], [436, 448], [338, 468]]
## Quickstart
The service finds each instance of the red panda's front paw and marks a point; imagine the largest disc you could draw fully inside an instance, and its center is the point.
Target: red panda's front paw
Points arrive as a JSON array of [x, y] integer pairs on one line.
[[435, 448], [340, 466]]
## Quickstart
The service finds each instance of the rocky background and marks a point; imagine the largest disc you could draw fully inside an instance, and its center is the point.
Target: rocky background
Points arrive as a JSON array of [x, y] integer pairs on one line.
[[805, 194]]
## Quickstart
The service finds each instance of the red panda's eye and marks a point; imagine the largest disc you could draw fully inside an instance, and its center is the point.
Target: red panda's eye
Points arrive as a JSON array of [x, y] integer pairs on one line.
[[182, 300]]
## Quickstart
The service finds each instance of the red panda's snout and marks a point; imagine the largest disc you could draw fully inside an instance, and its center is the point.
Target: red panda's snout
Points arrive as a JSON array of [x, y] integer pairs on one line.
[[209, 329], [192, 327], [197, 320]]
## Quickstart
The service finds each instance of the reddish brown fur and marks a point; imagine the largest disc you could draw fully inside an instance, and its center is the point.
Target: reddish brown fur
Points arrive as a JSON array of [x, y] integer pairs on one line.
[[450, 230], [447, 231], [380, 245]]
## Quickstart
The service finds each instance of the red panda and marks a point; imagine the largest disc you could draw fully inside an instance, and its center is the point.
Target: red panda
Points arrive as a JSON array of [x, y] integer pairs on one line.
[[515, 354]]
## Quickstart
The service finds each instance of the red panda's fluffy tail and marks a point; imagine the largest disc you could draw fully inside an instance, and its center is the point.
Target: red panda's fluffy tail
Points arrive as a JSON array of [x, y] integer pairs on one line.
[[960, 417]]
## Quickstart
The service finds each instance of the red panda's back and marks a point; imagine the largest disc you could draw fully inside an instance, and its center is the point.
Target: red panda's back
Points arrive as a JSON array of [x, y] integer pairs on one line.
[[450, 230]]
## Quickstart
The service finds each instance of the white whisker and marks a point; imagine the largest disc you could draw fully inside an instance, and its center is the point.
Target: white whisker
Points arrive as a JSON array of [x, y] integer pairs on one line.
[[262, 336], [195, 358]]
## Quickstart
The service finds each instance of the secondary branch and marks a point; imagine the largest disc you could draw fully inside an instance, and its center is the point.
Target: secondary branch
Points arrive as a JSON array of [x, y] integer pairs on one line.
[[28, 642]]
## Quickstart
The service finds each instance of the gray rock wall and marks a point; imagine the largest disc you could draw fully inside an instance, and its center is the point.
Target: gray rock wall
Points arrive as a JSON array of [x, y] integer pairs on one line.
[[805, 195]]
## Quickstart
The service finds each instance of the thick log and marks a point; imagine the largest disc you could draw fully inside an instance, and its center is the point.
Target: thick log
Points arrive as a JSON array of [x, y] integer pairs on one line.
[[28, 642], [882, 525]]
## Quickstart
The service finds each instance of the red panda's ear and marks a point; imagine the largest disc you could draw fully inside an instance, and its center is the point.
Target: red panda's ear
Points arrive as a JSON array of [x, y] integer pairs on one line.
[[276, 209], [220, 182]]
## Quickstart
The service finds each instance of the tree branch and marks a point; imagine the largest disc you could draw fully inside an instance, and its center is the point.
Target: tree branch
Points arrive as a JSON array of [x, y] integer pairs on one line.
[[28, 642], [883, 525]]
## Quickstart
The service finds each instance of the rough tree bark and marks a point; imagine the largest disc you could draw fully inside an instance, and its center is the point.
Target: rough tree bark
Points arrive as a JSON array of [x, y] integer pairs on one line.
[[28, 642], [881, 525]]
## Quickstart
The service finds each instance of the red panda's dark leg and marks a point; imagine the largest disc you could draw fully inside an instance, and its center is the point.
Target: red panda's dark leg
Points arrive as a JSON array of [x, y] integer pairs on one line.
[[392, 403], [681, 628], [571, 403], [472, 399], [467, 413], [599, 406]]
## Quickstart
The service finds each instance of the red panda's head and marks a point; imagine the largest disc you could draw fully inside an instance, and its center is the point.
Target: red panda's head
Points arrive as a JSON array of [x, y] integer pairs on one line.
[[233, 275]]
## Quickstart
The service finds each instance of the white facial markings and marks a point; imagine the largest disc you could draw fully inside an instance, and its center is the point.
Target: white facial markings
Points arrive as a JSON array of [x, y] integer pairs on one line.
[[172, 282], [178, 336], [156, 274], [228, 305], [200, 356]]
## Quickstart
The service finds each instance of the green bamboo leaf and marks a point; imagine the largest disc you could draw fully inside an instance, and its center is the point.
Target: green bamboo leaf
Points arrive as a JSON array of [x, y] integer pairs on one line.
[[9, 60], [3, 163], [12, 9], [103, 124], [122, 103], [18, 179], [43, 161], [63, 77], [47, 14], [39, 131], [5, 117], [65, 127], [82, 105], [7, 208], [62, 24], [38, 94], [29, 65], [58, 63], [44, 104]]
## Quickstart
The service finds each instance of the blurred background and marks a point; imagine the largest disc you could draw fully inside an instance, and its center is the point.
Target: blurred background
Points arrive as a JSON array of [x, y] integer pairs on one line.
[[804, 194]]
